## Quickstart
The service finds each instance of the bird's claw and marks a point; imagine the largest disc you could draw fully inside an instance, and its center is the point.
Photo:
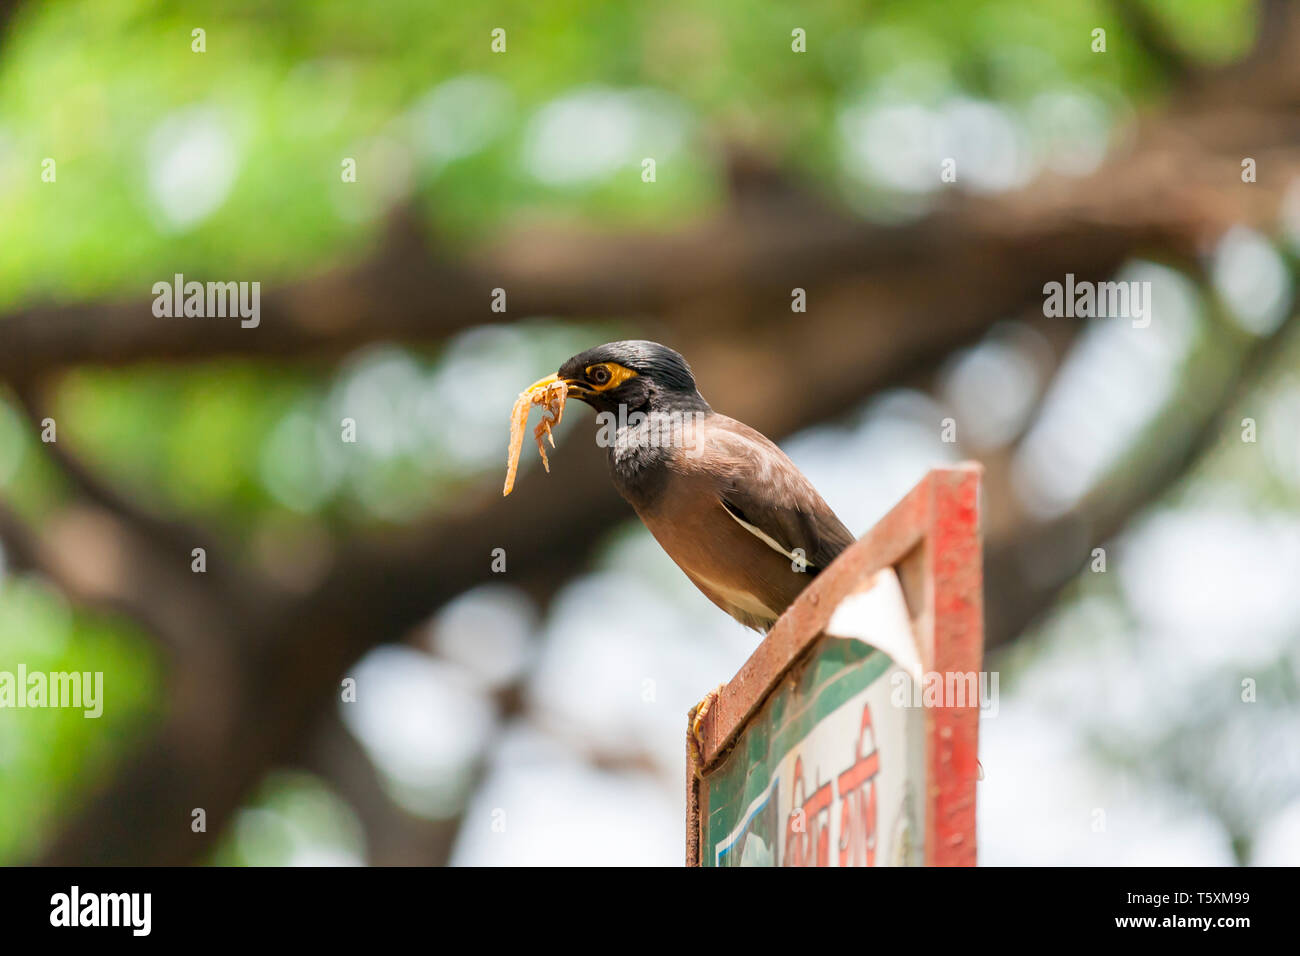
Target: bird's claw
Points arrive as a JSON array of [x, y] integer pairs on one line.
[[695, 739]]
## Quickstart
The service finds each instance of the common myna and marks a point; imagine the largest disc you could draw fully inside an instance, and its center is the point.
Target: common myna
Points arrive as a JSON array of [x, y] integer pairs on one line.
[[729, 507]]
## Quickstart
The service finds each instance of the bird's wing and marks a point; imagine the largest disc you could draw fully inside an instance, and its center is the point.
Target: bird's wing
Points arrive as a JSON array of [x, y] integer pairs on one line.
[[761, 488]]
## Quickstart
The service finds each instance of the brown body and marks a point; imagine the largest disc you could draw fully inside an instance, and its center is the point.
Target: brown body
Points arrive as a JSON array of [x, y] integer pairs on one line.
[[736, 516], [754, 593]]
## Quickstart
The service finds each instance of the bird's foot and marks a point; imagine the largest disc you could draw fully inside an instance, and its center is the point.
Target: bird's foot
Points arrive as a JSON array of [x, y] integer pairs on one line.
[[695, 739]]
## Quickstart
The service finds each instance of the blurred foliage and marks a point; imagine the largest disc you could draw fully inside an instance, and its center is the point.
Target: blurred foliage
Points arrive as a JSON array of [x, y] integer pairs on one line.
[[284, 91], [49, 755]]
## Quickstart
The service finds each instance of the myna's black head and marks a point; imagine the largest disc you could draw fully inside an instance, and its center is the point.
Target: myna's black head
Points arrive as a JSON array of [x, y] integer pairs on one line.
[[643, 376]]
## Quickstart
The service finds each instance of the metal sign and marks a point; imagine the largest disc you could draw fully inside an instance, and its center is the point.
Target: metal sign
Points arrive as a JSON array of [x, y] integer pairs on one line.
[[821, 751]]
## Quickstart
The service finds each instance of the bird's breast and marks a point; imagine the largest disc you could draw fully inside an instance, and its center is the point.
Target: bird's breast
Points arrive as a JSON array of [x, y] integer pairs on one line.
[[645, 450]]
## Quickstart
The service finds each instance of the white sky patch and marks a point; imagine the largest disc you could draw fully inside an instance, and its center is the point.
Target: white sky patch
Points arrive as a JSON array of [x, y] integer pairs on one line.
[[1218, 584], [488, 631], [989, 143], [1253, 280], [422, 722], [863, 469], [994, 385], [632, 676], [590, 134], [190, 164], [1040, 799], [1142, 661], [1113, 382], [1070, 129], [619, 683], [466, 408], [459, 117], [903, 146], [1278, 842], [379, 390], [541, 805], [894, 146], [1123, 697]]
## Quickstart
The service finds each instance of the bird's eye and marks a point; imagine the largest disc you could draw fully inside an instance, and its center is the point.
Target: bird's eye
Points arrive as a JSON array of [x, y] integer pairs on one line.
[[607, 375]]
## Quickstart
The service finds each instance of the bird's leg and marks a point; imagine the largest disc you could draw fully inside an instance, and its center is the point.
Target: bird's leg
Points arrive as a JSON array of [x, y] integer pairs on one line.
[[694, 739]]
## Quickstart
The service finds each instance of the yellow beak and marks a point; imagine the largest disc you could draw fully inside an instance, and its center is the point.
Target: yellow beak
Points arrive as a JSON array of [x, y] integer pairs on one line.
[[575, 388], [543, 383]]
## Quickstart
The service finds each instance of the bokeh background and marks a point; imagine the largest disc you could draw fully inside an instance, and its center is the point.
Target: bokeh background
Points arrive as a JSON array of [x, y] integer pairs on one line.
[[1147, 711]]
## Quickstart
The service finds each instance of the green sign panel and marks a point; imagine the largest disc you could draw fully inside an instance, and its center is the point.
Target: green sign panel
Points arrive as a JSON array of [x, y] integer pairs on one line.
[[830, 772]]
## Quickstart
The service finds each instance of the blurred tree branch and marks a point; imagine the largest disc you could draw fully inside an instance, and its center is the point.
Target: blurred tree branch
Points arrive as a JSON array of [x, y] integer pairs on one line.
[[403, 295], [258, 671], [7, 10], [1153, 37], [394, 836], [1026, 568]]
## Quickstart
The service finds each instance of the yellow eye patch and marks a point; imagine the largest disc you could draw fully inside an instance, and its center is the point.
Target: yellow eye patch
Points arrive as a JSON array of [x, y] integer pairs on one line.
[[607, 375]]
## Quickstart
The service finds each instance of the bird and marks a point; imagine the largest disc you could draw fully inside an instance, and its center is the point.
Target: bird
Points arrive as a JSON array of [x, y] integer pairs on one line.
[[726, 504]]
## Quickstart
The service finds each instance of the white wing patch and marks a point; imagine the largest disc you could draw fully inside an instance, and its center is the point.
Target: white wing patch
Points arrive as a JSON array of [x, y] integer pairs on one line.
[[766, 538]]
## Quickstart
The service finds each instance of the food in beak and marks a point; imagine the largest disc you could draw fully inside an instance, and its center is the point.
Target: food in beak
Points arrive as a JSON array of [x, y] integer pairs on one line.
[[550, 393]]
